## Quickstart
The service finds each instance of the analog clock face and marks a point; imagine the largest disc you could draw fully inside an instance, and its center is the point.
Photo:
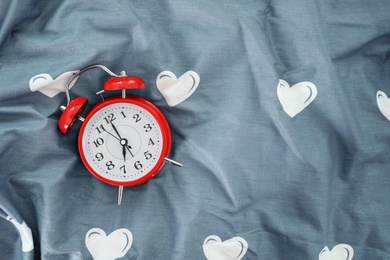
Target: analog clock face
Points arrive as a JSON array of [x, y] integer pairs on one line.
[[123, 143]]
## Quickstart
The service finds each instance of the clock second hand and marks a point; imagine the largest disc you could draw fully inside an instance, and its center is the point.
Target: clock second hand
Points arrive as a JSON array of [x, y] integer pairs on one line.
[[111, 134], [127, 146]]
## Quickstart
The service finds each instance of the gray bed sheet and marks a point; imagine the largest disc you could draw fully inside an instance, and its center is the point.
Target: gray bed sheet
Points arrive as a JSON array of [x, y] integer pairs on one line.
[[284, 137]]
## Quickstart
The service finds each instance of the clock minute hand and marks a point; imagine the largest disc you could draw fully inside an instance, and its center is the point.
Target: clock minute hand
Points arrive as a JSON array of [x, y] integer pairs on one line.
[[116, 130], [123, 142]]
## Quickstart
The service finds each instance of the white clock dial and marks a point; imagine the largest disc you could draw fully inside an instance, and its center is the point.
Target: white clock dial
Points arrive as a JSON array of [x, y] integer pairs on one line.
[[122, 142]]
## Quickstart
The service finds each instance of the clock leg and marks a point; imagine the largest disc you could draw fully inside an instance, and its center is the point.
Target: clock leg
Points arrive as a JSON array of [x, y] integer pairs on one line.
[[120, 195], [166, 159]]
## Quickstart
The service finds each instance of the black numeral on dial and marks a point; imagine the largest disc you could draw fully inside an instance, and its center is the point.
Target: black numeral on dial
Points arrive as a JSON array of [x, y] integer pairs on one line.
[[111, 117], [137, 118], [147, 155], [147, 127], [100, 129], [98, 142], [110, 165], [138, 165], [99, 156]]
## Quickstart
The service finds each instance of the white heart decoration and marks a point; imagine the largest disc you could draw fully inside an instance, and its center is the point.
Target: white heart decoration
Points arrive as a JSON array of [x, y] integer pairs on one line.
[[50, 87], [25, 234], [215, 249], [113, 246], [383, 103], [176, 90], [339, 252], [296, 98]]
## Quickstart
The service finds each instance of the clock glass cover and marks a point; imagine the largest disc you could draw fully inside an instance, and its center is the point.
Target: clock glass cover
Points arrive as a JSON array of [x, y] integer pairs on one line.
[[123, 142]]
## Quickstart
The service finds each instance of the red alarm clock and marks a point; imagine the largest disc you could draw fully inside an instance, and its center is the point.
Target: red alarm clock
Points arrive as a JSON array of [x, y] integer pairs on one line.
[[123, 140]]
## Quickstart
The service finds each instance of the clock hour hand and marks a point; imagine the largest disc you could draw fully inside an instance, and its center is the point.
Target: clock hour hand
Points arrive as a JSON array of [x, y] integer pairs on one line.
[[126, 146]]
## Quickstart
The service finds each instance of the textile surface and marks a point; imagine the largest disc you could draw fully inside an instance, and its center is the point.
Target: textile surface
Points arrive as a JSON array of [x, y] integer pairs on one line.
[[284, 137]]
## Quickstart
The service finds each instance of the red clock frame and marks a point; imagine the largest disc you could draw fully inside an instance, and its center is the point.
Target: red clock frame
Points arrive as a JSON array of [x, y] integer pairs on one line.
[[158, 116]]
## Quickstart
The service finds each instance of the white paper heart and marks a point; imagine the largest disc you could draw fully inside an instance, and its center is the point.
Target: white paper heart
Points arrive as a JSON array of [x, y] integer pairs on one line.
[[113, 246], [339, 252], [176, 90], [215, 249], [383, 103], [296, 98], [50, 87], [25, 234]]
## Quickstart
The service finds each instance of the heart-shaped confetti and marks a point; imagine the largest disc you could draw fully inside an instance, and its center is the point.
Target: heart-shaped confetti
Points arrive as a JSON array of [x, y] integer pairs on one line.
[[296, 98], [50, 87], [216, 249], [176, 90], [113, 246], [25, 234], [339, 252], [383, 103]]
